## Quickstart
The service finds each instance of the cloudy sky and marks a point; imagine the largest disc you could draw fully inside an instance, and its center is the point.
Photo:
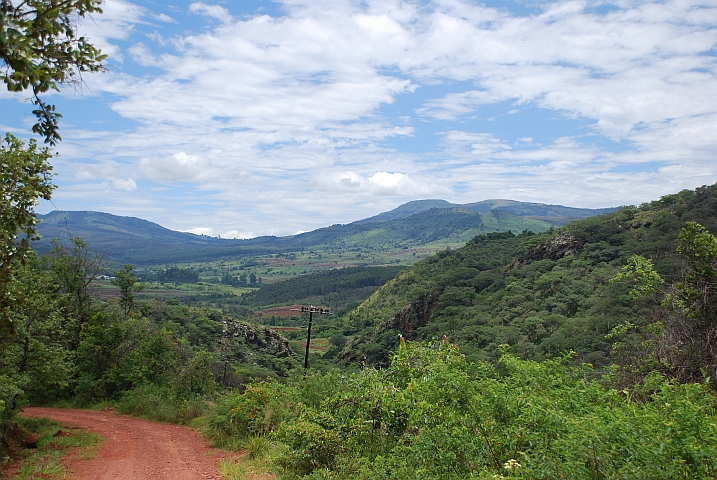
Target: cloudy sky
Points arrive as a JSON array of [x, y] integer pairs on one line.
[[249, 117]]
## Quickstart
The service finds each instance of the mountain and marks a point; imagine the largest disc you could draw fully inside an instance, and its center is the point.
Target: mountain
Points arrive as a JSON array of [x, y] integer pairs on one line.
[[541, 294], [140, 242], [408, 209], [104, 231], [137, 241], [553, 214]]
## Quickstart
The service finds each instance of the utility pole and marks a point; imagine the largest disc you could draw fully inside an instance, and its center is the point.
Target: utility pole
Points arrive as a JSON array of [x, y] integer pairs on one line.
[[312, 310]]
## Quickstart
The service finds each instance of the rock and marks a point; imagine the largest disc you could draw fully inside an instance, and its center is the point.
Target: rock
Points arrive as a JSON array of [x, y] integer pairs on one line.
[[257, 337]]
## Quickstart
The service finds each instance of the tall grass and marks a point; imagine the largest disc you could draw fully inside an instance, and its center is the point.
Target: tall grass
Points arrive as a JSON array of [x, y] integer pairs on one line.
[[160, 403]]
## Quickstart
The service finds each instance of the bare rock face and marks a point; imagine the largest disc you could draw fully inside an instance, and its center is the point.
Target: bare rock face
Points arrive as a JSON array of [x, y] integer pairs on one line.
[[414, 315], [257, 337], [556, 248]]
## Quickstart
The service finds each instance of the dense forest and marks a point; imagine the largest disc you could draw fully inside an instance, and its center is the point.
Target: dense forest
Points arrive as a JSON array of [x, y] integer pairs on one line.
[[584, 351], [542, 294]]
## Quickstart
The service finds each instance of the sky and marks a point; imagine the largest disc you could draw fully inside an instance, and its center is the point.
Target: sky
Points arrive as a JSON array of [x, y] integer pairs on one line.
[[249, 117]]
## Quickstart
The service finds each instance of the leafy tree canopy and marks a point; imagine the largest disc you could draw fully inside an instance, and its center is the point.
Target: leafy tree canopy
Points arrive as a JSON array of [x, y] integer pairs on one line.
[[25, 177], [40, 49]]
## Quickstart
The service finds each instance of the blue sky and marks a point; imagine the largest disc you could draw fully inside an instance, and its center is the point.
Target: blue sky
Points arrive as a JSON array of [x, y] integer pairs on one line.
[[249, 118]]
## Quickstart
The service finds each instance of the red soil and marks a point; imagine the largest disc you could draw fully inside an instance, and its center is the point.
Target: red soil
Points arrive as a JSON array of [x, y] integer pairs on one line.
[[137, 449]]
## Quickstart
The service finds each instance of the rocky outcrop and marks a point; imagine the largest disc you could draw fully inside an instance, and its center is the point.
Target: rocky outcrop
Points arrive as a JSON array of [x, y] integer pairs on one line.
[[556, 248], [257, 337], [411, 317], [414, 315]]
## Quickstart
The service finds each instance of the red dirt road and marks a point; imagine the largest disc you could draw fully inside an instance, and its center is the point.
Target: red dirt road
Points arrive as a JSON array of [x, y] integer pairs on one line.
[[137, 449]]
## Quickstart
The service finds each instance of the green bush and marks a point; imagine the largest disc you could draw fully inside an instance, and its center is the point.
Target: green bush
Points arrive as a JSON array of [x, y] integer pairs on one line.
[[10, 394], [432, 414], [312, 444], [257, 411]]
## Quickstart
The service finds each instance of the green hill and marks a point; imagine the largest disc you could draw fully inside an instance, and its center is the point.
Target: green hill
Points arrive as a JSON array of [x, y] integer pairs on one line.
[[408, 209], [542, 294]]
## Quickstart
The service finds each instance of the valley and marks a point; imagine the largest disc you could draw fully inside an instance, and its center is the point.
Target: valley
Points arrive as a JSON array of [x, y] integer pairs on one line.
[[301, 240], [432, 340]]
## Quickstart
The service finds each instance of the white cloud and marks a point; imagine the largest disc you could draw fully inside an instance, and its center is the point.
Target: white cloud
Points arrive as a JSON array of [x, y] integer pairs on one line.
[[386, 181], [208, 231], [289, 113], [238, 234], [127, 185], [484, 145], [117, 22], [353, 186], [142, 55], [180, 167], [162, 17], [350, 181], [455, 105], [215, 11]]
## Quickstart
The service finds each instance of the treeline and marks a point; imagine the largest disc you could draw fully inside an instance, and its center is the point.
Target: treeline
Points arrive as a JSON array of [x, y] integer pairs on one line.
[[175, 274], [341, 282], [241, 280]]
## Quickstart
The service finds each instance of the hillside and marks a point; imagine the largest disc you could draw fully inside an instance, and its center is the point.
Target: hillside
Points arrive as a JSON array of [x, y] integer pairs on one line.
[[140, 242], [543, 294]]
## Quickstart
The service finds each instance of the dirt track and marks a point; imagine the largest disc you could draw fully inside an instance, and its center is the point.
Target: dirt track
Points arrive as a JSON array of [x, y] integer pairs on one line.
[[137, 449]]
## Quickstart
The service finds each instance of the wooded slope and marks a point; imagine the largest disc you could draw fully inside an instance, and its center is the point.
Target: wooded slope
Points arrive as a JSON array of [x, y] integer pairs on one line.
[[543, 294]]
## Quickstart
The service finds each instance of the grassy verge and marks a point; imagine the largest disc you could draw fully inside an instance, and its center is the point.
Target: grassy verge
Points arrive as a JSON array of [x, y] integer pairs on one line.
[[255, 465], [150, 402], [52, 442]]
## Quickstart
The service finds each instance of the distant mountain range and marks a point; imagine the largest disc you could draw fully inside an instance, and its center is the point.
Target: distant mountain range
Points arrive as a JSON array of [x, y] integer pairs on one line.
[[137, 241]]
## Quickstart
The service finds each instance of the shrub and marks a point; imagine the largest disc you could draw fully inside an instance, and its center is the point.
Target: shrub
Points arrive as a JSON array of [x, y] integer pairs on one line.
[[312, 444], [256, 411], [431, 414]]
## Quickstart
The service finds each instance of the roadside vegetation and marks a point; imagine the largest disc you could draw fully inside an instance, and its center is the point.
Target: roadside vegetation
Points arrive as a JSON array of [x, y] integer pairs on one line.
[[432, 414], [597, 362], [39, 445]]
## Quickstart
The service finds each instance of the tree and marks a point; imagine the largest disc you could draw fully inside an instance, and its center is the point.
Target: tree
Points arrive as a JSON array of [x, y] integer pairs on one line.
[[41, 49], [338, 340], [690, 317], [74, 270], [128, 287], [25, 177], [37, 356], [697, 294]]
